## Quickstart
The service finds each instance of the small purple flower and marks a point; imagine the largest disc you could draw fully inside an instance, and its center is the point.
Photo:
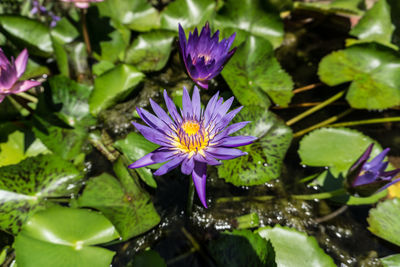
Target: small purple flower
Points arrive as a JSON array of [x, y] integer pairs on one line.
[[203, 55], [194, 138], [10, 72], [366, 178]]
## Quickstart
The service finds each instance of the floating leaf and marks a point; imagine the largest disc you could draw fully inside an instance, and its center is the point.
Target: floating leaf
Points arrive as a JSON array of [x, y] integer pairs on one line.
[[64, 31], [391, 261], [189, 13], [251, 16], [138, 15], [31, 33], [24, 187], [384, 220], [122, 201], [375, 25], [294, 248], [112, 86], [373, 70], [114, 49], [149, 258], [62, 237], [254, 71], [265, 156], [242, 248], [150, 51], [336, 148]]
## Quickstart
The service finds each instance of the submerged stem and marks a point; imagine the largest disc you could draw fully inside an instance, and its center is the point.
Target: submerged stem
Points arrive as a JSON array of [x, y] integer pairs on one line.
[[189, 204], [362, 122], [323, 195], [314, 109], [245, 198], [306, 88]]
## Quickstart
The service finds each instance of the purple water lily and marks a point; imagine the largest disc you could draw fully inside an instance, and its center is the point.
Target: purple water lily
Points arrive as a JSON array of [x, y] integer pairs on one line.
[[10, 72], [194, 138], [203, 55], [366, 178]]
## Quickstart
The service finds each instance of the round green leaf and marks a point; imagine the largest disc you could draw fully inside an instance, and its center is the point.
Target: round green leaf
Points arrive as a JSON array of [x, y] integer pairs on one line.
[[189, 13], [294, 248], [337, 148], [242, 248], [384, 220], [25, 187], [113, 86], [254, 71], [265, 156], [62, 236], [30, 32], [251, 16], [150, 51], [391, 261], [373, 70]]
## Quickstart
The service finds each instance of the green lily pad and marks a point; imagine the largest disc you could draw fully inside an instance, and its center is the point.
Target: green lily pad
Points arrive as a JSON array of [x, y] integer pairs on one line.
[[336, 148], [384, 220], [391, 261], [189, 13], [254, 71], [113, 50], [31, 33], [134, 147], [373, 70], [375, 25], [13, 151], [63, 237], [150, 51], [294, 248], [149, 258], [61, 56], [25, 187], [138, 15], [113, 86], [122, 201], [252, 17], [242, 248], [64, 31], [265, 156]]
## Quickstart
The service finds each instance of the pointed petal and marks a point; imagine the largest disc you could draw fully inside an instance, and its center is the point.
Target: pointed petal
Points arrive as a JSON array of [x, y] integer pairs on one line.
[[196, 104], [377, 160], [389, 184], [391, 173], [235, 141], [363, 158], [160, 112], [21, 61], [187, 166], [24, 86], [199, 176], [151, 134], [186, 104], [202, 84], [153, 121], [168, 166], [172, 108], [143, 161], [225, 153], [182, 41]]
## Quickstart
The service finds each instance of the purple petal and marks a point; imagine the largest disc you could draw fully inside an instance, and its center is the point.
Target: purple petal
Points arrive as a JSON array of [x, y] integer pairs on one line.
[[208, 159], [182, 41], [168, 166], [389, 184], [3, 59], [210, 108], [225, 153], [153, 121], [172, 108], [199, 176], [159, 155], [151, 134], [143, 161], [186, 104], [391, 174], [202, 84], [160, 112], [363, 158], [21, 61], [187, 166], [196, 104], [229, 130], [8, 77], [377, 160], [235, 141], [23, 86]]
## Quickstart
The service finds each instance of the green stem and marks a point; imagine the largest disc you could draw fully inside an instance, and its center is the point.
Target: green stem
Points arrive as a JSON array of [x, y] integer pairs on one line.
[[323, 123], [28, 97], [324, 195], [246, 198], [362, 122], [316, 108], [189, 204]]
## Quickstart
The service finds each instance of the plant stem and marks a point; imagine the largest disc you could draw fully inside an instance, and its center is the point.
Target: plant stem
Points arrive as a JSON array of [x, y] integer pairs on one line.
[[332, 215], [306, 88], [246, 198], [28, 97], [21, 102], [314, 109], [85, 31], [362, 122], [323, 123], [324, 195], [197, 246], [189, 204]]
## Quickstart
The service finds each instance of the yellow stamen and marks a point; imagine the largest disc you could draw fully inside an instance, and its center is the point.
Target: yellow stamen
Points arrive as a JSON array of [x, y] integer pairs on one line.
[[191, 127]]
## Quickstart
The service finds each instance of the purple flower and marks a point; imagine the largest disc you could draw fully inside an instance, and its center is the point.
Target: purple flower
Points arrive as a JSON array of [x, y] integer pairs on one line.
[[203, 55], [82, 3], [10, 72], [365, 178], [192, 138]]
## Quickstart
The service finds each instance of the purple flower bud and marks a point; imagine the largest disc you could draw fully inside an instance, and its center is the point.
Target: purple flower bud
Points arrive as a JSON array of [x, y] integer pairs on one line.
[[203, 55]]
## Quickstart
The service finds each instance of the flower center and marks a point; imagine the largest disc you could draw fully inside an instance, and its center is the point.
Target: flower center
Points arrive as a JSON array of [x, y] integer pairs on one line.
[[192, 138], [206, 57], [190, 127]]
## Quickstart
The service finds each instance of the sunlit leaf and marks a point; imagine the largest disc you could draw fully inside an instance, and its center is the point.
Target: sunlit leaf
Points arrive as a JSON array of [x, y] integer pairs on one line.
[[391, 261]]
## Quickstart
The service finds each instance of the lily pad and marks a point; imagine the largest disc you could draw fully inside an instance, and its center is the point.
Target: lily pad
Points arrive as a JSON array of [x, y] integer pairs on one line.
[[62, 237], [242, 248], [122, 201], [189, 13], [253, 17], [375, 25], [254, 71], [113, 86], [384, 220], [391, 261], [25, 187], [373, 70], [114, 49], [265, 156], [31, 33], [64, 31], [294, 248], [150, 51], [336, 148]]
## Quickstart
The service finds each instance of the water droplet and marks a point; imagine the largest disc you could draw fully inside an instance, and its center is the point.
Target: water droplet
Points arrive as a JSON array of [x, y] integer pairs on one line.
[[265, 164]]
